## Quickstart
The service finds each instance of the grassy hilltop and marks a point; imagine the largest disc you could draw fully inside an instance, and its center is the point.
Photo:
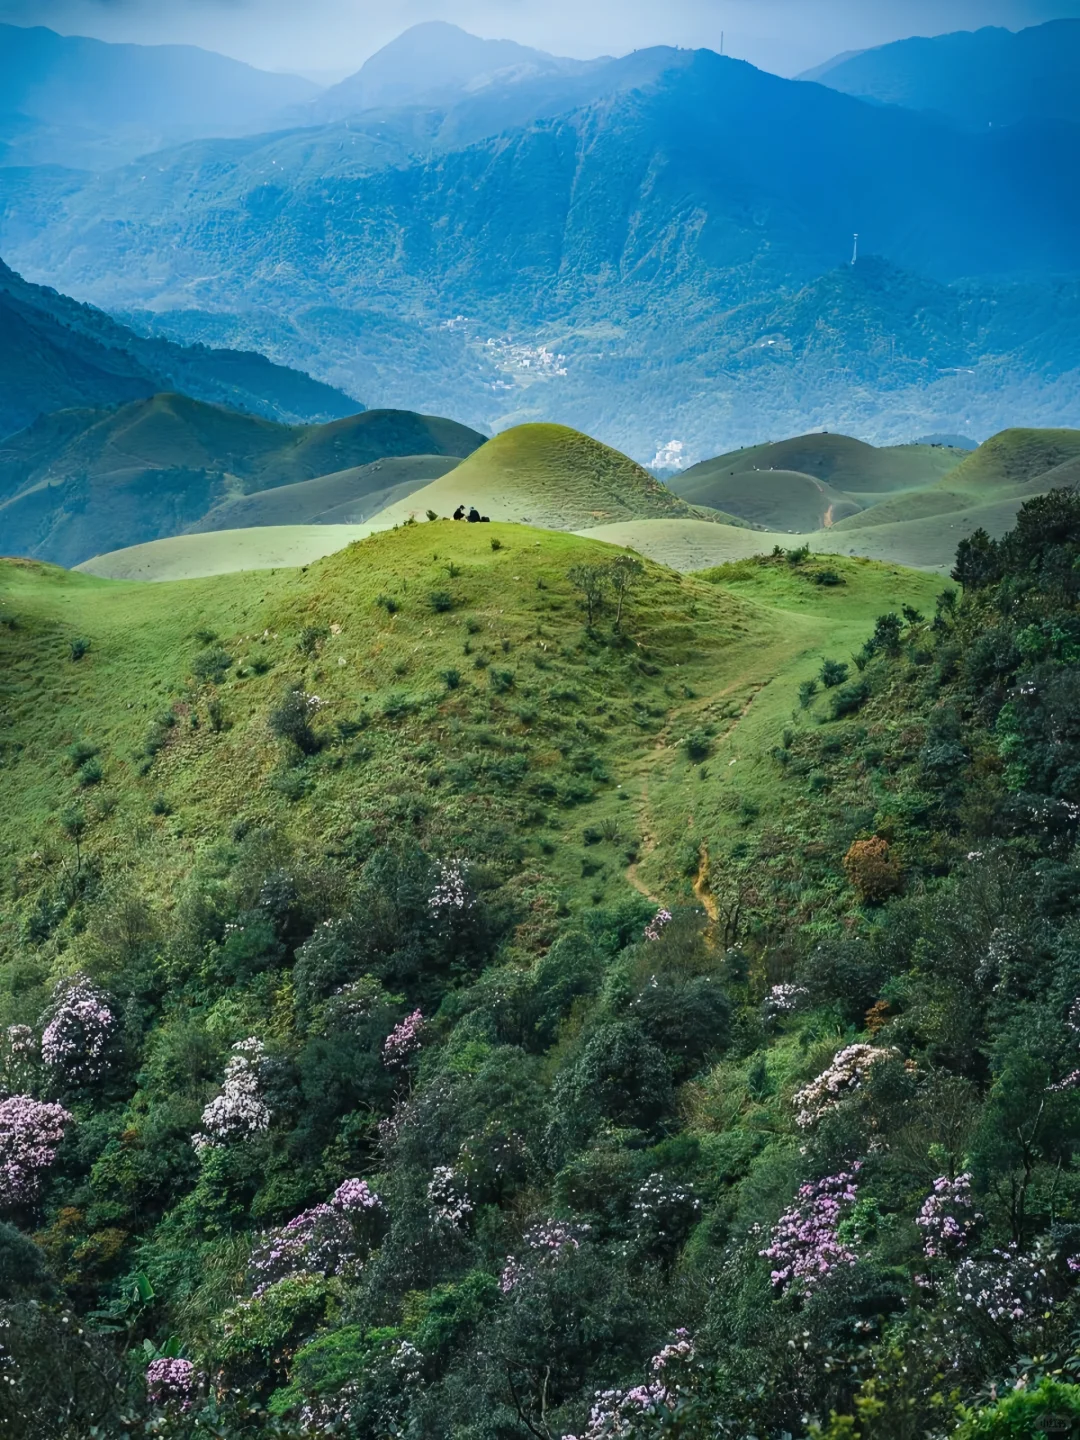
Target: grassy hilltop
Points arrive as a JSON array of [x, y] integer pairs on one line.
[[444, 666]]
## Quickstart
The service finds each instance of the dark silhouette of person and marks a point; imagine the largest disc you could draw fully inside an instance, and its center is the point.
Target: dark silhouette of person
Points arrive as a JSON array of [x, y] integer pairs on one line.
[[485, 519], [459, 513], [474, 516]]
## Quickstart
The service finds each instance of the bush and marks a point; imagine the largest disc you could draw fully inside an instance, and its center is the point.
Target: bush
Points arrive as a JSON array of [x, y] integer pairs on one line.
[[291, 722], [90, 772], [209, 666], [441, 601], [872, 870], [311, 638], [698, 745], [849, 698], [81, 751], [451, 678], [388, 603], [807, 691], [1018, 1415], [501, 681], [496, 543], [79, 646], [833, 673]]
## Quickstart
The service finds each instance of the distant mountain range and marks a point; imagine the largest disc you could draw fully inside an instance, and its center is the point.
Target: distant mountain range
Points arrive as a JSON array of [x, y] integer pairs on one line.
[[649, 248], [56, 353], [67, 100], [981, 78]]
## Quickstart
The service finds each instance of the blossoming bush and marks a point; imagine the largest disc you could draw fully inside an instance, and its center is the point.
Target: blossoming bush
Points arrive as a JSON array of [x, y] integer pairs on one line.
[[653, 1405], [948, 1218], [448, 1197], [240, 1110], [171, 1382], [545, 1244], [805, 1245], [837, 1082], [329, 1239], [404, 1040], [30, 1135], [78, 1029]]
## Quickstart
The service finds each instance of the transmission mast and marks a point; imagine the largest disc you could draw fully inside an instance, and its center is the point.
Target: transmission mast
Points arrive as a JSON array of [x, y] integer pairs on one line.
[[855, 251]]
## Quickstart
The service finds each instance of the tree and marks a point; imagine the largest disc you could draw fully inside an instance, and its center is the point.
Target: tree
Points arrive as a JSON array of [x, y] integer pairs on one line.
[[591, 581], [625, 571]]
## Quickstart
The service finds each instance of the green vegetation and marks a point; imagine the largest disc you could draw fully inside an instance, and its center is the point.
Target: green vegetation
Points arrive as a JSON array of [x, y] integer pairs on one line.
[[80, 483], [546, 475], [686, 990]]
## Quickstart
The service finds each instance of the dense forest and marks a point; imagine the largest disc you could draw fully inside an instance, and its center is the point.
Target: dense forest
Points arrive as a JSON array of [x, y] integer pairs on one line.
[[362, 1145]]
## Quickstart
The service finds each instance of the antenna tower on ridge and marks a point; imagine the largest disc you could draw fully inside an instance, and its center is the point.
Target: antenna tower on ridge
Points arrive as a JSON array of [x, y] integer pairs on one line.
[[855, 251]]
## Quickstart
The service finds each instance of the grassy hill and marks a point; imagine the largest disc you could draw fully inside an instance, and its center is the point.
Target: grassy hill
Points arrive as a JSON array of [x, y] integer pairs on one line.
[[545, 475], [347, 497], [78, 484], [363, 629], [221, 552], [773, 499], [838, 460]]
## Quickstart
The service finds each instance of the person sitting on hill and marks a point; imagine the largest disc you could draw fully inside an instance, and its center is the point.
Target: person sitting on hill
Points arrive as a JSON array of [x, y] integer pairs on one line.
[[485, 519], [459, 513], [474, 516]]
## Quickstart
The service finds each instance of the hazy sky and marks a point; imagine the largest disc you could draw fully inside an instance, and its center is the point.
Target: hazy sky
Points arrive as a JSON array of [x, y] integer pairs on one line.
[[336, 36]]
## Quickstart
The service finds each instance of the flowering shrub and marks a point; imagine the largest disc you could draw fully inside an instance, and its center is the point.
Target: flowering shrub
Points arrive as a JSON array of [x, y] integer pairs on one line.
[[30, 1135], [547, 1242], [329, 1239], [447, 1197], [784, 1000], [1005, 1286], [450, 892], [842, 1078], [404, 1040], [78, 1028], [656, 924], [873, 870], [620, 1413], [663, 1212], [170, 1382], [18, 1058], [804, 1244], [239, 1111], [948, 1218]]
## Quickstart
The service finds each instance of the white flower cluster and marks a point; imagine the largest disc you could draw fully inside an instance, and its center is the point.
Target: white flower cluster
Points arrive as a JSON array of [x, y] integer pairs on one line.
[[843, 1078], [448, 1197], [78, 1029], [784, 1000], [450, 892], [239, 1111]]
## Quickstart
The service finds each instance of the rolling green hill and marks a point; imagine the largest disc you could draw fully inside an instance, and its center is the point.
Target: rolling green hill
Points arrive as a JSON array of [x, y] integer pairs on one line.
[[78, 484], [222, 552], [773, 499], [348, 497], [846, 464], [545, 475]]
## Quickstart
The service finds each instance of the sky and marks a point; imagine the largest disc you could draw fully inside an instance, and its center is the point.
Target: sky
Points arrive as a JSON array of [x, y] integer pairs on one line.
[[332, 38]]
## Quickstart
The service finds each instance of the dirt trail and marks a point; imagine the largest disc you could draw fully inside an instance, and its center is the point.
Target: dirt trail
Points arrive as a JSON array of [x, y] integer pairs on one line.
[[701, 885]]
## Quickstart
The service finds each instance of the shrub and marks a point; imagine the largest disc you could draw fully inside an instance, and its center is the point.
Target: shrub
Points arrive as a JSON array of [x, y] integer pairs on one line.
[[501, 681], [496, 543], [79, 646], [698, 745], [311, 638], [451, 678], [210, 666], [441, 601], [81, 751], [849, 698], [872, 870], [1018, 1415], [833, 673], [388, 603], [431, 514], [90, 772], [807, 691], [826, 577], [291, 721]]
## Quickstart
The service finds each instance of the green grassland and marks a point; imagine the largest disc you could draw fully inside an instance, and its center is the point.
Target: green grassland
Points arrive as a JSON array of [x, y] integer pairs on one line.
[[460, 696], [223, 552], [546, 475]]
